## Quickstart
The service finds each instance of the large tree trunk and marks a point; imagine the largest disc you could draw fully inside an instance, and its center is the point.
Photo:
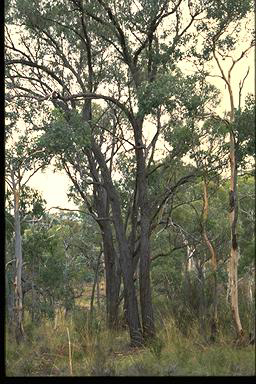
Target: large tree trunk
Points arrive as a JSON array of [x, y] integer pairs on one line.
[[19, 331], [111, 260], [113, 277], [144, 278], [124, 251], [144, 272], [95, 282]]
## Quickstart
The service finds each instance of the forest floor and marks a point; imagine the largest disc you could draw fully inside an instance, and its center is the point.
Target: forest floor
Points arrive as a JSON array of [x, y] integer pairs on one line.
[[75, 346], [95, 351]]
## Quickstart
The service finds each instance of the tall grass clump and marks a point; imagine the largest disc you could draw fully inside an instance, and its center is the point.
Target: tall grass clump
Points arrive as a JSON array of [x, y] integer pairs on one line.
[[81, 345]]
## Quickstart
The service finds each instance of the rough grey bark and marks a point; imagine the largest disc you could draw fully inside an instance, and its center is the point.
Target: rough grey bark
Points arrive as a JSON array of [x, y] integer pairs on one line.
[[144, 250], [111, 260], [126, 261], [113, 277]]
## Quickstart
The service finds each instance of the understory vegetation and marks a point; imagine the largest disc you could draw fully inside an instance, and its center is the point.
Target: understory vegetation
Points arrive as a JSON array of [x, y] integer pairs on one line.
[[97, 351]]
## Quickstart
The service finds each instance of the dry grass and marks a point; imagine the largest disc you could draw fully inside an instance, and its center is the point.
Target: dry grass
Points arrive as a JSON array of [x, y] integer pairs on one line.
[[96, 351]]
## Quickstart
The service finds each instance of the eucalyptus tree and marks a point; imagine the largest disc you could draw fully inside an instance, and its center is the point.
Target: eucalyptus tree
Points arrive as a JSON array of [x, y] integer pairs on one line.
[[126, 55], [211, 156], [220, 45], [70, 147], [74, 161], [31, 207], [22, 161], [233, 195]]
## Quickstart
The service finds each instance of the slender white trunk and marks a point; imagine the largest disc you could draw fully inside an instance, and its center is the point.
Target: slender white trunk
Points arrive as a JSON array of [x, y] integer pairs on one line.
[[18, 257], [233, 202], [233, 261]]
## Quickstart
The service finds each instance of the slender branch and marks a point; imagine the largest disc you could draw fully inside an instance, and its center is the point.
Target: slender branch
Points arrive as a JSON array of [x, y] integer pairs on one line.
[[81, 211], [154, 140], [235, 61], [167, 253], [29, 63], [32, 174], [171, 190], [9, 262], [93, 95], [61, 54], [153, 26], [241, 85]]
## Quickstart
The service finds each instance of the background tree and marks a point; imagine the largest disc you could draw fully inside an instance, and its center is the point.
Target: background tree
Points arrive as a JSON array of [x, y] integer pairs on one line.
[[22, 161], [221, 40]]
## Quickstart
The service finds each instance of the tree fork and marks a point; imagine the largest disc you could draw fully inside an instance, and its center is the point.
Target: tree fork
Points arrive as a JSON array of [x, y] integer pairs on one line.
[[125, 254]]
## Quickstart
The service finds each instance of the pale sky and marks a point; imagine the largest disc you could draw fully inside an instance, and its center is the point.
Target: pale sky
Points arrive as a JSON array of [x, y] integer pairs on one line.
[[54, 188]]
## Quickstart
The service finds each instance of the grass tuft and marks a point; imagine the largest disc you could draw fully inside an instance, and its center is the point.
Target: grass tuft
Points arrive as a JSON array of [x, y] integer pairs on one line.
[[95, 351]]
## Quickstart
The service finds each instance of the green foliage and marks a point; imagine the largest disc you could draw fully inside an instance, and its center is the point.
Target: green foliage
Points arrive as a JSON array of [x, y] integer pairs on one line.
[[65, 135], [244, 129], [233, 10], [9, 226], [246, 187], [31, 203], [59, 260], [152, 95], [178, 93], [223, 28], [181, 291]]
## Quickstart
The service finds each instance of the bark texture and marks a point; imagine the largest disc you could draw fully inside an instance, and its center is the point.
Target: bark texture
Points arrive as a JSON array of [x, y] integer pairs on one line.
[[126, 262], [111, 260], [234, 252], [19, 331], [144, 252], [233, 261], [113, 277]]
